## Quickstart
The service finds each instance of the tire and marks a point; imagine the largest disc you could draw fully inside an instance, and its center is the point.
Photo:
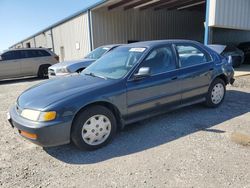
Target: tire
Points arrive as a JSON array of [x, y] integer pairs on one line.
[[93, 128], [216, 93], [43, 72]]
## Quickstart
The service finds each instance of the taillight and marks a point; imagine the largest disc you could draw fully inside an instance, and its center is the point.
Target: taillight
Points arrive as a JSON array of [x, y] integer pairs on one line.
[[57, 58]]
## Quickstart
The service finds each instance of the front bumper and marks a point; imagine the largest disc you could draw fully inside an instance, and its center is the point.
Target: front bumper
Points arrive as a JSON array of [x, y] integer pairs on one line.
[[61, 75], [52, 133]]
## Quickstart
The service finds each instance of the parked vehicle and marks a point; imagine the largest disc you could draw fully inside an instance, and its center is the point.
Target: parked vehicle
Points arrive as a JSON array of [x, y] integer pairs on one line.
[[245, 47], [67, 68], [26, 62], [236, 54], [131, 83]]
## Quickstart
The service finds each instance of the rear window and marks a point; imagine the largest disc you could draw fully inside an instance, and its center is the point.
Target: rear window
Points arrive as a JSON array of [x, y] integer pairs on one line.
[[190, 55]]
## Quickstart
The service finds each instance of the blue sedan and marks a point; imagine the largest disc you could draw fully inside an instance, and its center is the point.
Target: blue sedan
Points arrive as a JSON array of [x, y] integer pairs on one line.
[[131, 83]]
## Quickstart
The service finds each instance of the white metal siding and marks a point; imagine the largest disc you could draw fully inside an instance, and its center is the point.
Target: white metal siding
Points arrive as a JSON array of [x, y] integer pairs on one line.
[[232, 14], [69, 33], [44, 40], [121, 26], [31, 41], [18, 45]]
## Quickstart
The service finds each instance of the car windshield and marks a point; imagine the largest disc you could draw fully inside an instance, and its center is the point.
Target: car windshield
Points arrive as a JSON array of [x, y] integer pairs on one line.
[[97, 53], [115, 64]]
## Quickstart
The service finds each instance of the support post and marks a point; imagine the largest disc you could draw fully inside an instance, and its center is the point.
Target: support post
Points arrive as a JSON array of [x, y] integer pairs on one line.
[[207, 29]]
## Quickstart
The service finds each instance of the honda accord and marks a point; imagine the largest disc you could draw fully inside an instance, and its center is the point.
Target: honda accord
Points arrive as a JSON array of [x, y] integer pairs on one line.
[[131, 83]]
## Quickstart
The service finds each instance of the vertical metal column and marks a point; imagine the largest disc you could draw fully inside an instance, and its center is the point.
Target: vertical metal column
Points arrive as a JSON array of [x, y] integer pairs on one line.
[[90, 29], [207, 29]]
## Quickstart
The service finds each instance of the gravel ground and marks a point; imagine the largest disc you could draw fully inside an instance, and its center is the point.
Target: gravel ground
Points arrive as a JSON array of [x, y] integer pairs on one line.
[[190, 147]]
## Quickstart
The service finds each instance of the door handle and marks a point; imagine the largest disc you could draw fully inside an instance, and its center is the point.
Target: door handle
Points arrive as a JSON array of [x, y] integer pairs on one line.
[[174, 78], [211, 69]]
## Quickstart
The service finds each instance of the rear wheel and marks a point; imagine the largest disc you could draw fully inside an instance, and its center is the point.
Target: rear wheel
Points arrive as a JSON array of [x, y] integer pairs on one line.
[[93, 128], [216, 93], [43, 71]]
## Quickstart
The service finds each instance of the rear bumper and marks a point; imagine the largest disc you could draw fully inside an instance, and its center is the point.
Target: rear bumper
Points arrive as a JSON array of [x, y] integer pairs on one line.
[[231, 81], [47, 134]]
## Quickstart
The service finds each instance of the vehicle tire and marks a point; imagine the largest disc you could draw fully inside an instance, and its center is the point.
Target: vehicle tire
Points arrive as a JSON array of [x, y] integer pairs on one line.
[[43, 72], [216, 93], [93, 128]]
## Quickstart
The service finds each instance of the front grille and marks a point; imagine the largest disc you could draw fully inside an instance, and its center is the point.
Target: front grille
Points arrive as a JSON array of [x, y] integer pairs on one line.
[[18, 109], [51, 72]]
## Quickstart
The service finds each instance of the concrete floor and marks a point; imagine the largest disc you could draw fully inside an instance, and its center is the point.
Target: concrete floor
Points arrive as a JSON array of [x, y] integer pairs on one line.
[[244, 70]]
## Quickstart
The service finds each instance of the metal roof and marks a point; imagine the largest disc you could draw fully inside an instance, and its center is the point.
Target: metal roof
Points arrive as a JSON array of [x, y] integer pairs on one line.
[[129, 4]]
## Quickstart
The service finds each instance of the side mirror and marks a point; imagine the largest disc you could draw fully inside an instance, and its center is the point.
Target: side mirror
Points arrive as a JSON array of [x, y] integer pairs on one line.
[[142, 73]]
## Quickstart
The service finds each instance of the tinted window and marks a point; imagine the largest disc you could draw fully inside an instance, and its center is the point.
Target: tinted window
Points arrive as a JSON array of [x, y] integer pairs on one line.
[[11, 55], [160, 60], [190, 55], [35, 53], [43, 53]]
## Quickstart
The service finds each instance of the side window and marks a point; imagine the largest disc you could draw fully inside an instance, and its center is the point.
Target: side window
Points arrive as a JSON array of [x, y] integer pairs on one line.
[[160, 60], [43, 53], [11, 55], [190, 55], [32, 53]]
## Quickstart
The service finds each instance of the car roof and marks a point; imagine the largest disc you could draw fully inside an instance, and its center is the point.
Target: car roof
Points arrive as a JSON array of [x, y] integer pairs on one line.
[[27, 49], [154, 43]]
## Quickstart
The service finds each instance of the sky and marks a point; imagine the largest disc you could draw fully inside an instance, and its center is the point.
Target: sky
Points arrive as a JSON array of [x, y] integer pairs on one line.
[[23, 18]]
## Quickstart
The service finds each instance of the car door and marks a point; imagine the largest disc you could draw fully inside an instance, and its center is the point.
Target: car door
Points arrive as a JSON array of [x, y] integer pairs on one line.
[[10, 65], [161, 88], [28, 65], [196, 68]]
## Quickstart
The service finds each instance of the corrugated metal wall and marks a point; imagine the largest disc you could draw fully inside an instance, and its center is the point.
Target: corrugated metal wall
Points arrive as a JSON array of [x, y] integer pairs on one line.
[[233, 14], [73, 37], [31, 41], [121, 26], [44, 40], [230, 36], [19, 45]]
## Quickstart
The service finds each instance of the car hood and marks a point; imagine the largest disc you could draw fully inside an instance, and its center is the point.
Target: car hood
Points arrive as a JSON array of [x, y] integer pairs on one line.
[[74, 65], [217, 48], [46, 93]]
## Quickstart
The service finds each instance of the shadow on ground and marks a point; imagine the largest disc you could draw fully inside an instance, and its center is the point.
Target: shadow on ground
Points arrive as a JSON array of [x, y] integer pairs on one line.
[[20, 80], [159, 130]]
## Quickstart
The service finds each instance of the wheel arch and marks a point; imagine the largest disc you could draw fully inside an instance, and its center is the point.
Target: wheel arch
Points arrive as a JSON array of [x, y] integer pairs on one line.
[[40, 68], [221, 76], [106, 104]]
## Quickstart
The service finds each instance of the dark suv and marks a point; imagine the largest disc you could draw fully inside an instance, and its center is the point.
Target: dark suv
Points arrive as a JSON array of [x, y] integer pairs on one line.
[[131, 83]]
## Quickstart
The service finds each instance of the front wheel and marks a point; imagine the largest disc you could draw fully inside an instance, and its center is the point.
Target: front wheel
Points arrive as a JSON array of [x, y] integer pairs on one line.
[[93, 128], [216, 93], [43, 72]]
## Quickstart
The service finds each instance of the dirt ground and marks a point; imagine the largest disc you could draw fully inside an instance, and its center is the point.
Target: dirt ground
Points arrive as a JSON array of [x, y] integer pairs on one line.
[[190, 147]]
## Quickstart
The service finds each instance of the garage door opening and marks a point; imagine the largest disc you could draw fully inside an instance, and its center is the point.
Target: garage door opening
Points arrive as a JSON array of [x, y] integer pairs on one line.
[[121, 21]]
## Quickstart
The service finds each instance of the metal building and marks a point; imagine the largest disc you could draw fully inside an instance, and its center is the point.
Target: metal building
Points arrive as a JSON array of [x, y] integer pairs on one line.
[[124, 21]]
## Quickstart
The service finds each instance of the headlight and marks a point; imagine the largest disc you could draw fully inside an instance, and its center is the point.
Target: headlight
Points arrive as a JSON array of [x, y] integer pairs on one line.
[[35, 115], [62, 70]]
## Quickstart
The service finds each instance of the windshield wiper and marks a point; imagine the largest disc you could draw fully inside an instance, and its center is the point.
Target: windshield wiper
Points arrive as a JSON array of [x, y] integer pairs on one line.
[[94, 75]]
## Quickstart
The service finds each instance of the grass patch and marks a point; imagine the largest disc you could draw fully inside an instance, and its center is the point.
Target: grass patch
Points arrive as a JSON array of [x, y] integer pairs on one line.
[[241, 139]]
